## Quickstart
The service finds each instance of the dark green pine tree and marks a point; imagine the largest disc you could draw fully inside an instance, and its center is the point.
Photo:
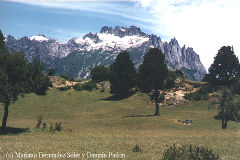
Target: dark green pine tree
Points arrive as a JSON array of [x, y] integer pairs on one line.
[[2, 43], [153, 74], [36, 79], [18, 76], [122, 75], [179, 73], [225, 69], [51, 72], [100, 73]]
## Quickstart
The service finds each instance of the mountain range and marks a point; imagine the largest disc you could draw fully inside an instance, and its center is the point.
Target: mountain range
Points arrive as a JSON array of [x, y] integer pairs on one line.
[[76, 57]]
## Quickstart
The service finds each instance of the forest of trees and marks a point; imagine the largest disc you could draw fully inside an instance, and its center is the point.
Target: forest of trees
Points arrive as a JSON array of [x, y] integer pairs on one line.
[[18, 76], [153, 77]]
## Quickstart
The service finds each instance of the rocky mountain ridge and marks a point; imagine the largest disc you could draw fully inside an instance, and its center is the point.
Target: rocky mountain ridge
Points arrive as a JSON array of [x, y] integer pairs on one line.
[[77, 56]]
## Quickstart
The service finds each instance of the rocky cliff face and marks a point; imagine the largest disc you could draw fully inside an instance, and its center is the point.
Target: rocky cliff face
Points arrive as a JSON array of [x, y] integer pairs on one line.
[[76, 57]]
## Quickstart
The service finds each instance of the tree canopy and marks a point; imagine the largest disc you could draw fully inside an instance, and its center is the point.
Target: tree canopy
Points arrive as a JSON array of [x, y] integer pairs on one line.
[[2, 43], [152, 75], [51, 72], [122, 75], [100, 73], [18, 76], [179, 73], [225, 69], [228, 105]]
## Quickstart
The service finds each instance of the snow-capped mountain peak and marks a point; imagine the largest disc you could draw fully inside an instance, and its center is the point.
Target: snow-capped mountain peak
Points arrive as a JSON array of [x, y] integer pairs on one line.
[[76, 57], [38, 38], [108, 41]]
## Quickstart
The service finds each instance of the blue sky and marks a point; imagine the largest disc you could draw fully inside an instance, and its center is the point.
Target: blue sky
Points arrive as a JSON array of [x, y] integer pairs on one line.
[[63, 23], [205, 25]]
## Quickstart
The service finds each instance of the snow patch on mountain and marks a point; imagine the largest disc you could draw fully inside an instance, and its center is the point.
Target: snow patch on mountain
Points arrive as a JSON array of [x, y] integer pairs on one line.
[[38, 38], [103, 48], [110, 41]]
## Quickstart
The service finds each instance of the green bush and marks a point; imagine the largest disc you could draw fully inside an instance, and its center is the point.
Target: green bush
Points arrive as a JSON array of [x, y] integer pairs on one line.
[[51, 72], [77, 87], [196, 85], [89, 86], [64, 88], [51, 127], [179, 73], [86, 86], [137, 149], [64, 77], [39, 121], [44, 126], [100, 73], [196, 96], [202, 94], [58, 126], [189, 152]]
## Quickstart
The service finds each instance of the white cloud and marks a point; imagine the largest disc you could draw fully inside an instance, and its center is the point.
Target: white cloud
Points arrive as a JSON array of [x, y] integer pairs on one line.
[[204, 25], [85, 5]]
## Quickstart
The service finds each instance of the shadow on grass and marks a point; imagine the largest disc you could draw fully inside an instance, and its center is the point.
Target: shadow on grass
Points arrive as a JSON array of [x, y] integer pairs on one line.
[[119, 97], [230, 118], [11, 130], [218, 117], [146, 115]]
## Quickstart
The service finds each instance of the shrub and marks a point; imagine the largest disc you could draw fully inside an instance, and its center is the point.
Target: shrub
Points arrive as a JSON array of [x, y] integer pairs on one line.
[[100, 73], [44, 126], [51, 127], [197, 96], [189, 89], [64, 88], [189, 152], [196, 85], [137, 149], [58, 126], [202, 94], [64, 77], [89, 86], [77, 87], [179, 73], [39, 121], [86, 86], [51, 72]]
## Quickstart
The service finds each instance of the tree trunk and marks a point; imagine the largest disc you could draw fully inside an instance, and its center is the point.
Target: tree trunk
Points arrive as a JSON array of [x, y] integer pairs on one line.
[[223, 123], [156, 96], [223, 114], [5, 116]]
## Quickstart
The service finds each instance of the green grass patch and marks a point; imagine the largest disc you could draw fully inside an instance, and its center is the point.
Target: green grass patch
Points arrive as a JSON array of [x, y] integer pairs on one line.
[[100, 125]]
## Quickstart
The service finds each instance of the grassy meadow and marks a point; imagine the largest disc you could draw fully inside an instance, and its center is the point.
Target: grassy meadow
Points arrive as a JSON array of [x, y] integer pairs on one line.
[[93, 122]]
